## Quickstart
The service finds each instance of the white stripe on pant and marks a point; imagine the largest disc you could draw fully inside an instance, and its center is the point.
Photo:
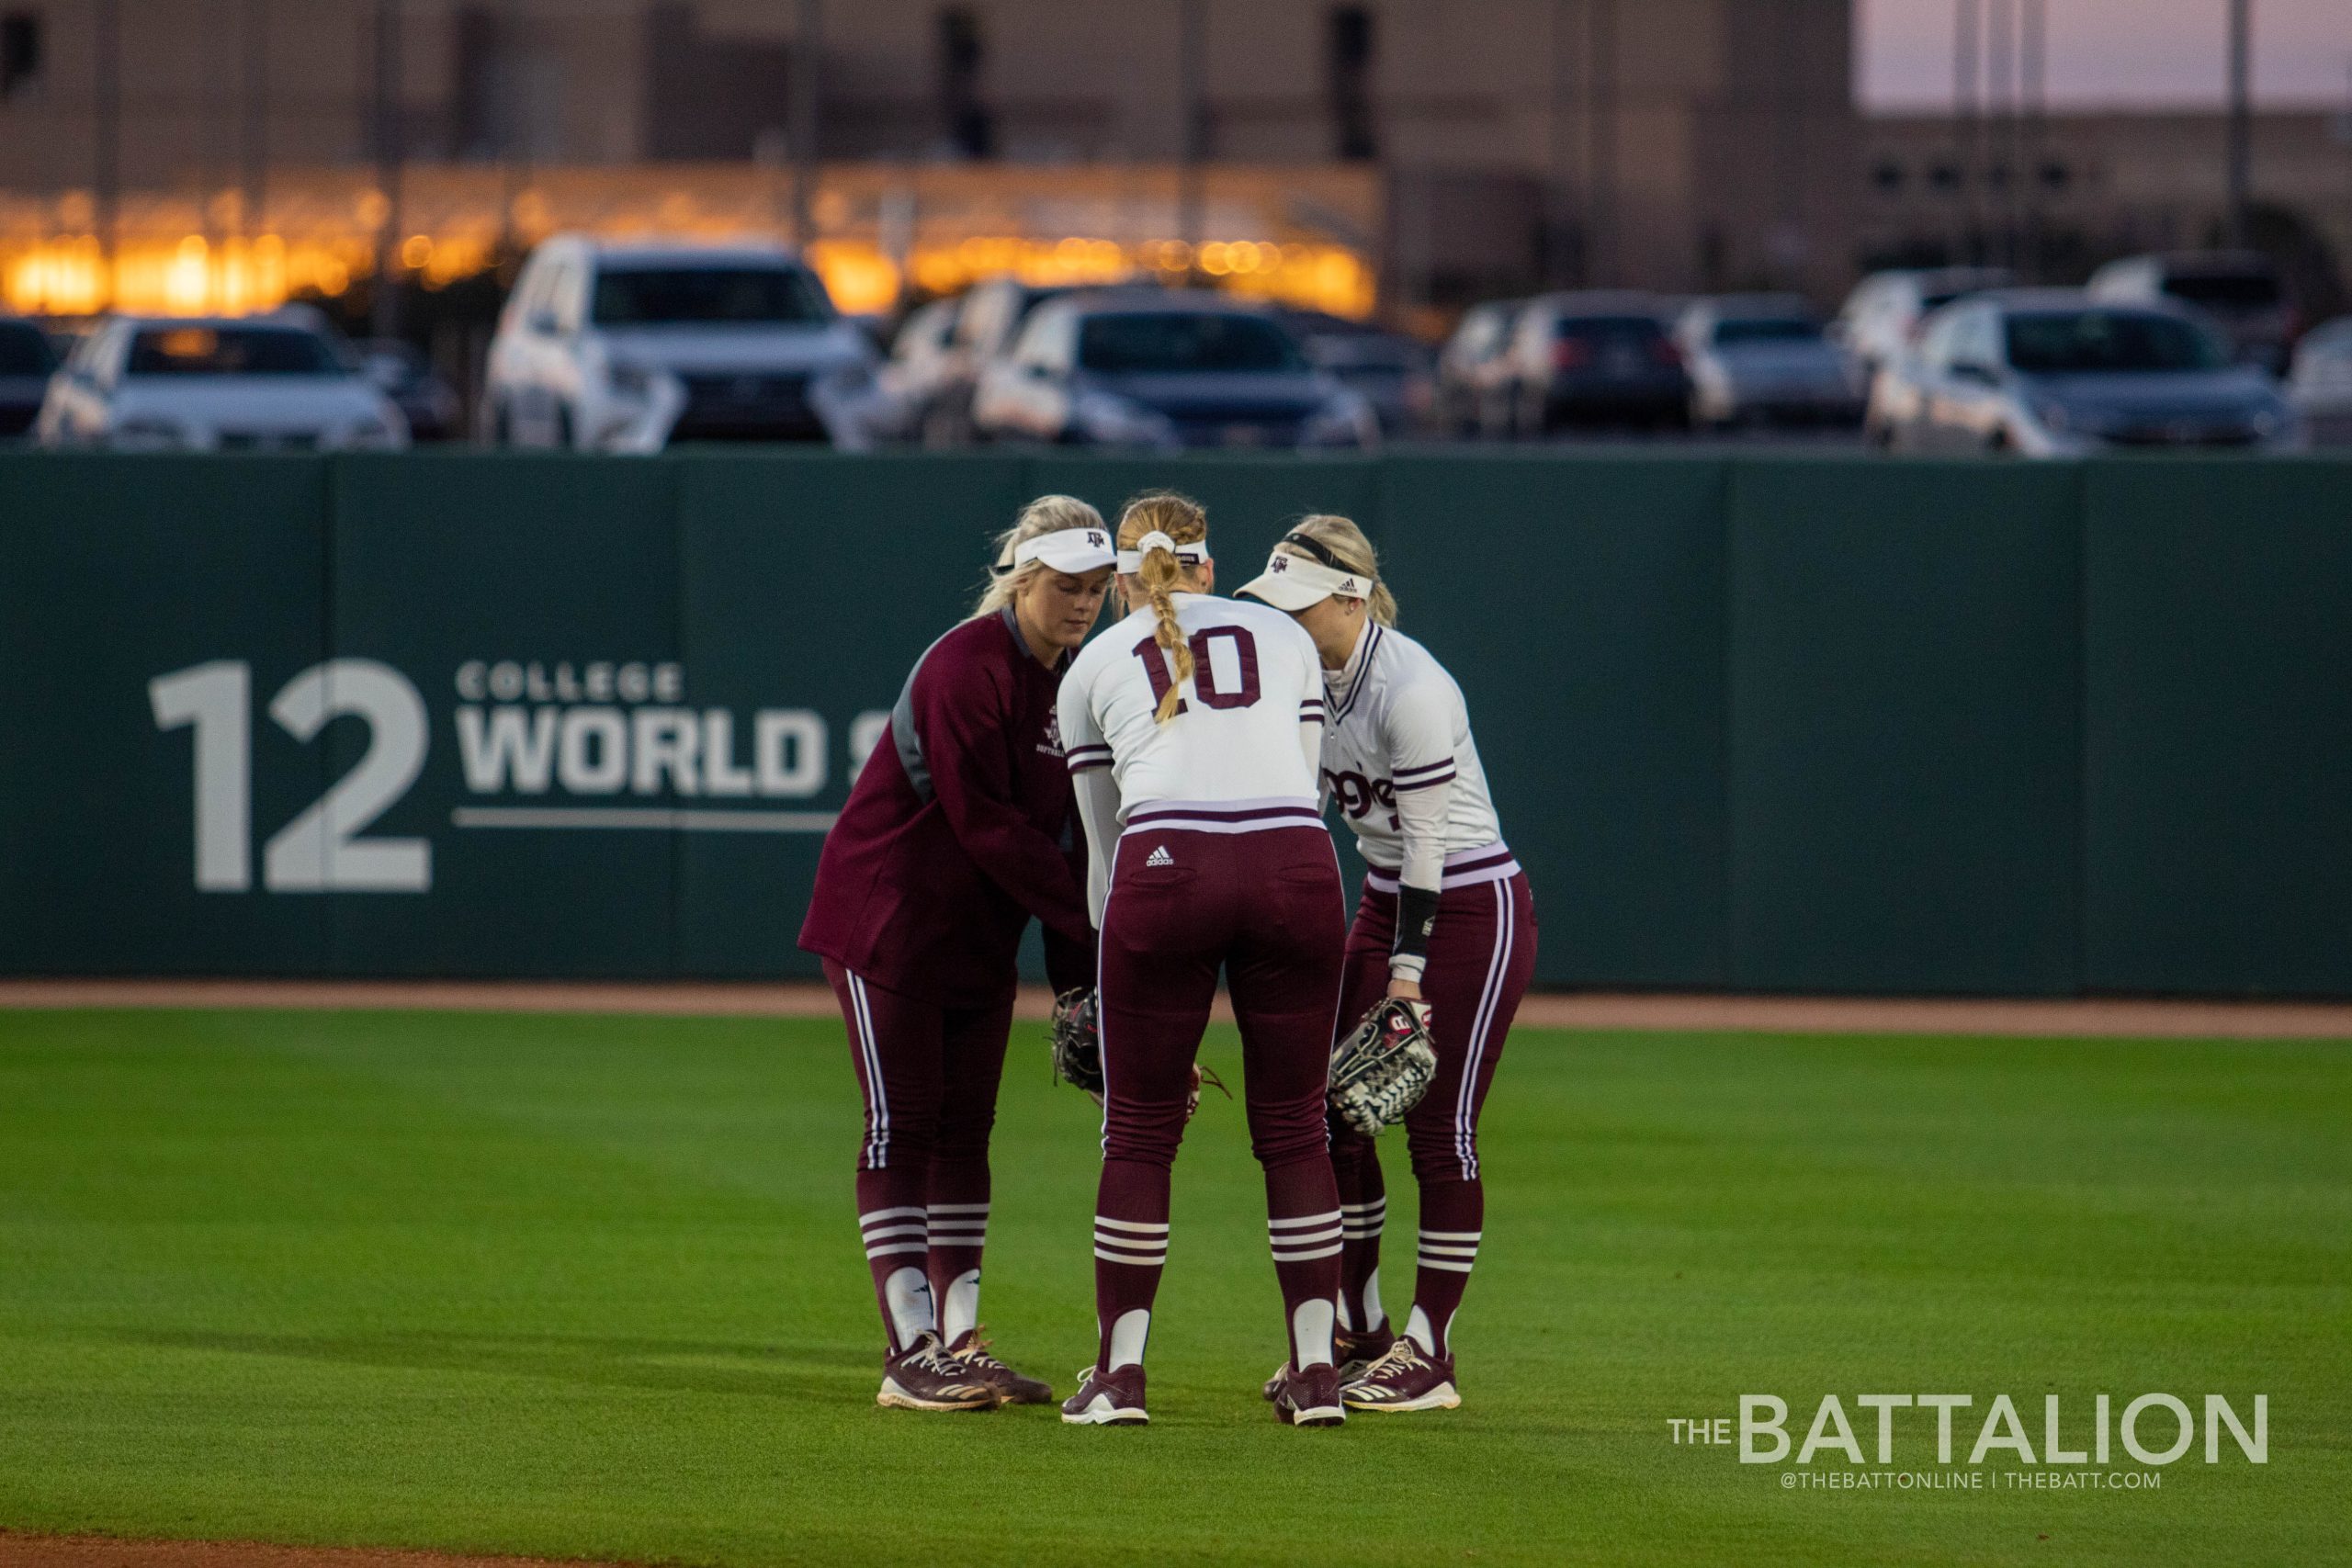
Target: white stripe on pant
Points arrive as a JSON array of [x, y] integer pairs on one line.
[[877, 1119], [1465, 1113]]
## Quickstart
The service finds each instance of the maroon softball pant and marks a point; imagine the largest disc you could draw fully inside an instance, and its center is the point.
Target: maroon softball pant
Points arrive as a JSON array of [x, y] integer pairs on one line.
[[929, 1076], [1266, 909], [1481, 958]]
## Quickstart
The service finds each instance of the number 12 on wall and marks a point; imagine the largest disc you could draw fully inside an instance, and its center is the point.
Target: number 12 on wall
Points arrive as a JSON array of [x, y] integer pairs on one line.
[[321, 850]]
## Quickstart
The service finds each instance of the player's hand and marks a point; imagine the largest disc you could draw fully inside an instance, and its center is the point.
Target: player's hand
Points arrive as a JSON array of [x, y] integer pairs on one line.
[[1400, 987]]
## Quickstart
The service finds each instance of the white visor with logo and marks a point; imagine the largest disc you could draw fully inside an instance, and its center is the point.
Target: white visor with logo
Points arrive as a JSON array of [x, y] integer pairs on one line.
[[1293, 582], [1073, 551]]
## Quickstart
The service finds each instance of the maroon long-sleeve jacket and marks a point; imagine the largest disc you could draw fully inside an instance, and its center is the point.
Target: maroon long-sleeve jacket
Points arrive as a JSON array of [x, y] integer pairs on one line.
[[959, 828]]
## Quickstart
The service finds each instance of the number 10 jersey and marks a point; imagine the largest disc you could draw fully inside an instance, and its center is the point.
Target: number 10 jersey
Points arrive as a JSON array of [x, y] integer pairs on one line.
[[1248, 726]]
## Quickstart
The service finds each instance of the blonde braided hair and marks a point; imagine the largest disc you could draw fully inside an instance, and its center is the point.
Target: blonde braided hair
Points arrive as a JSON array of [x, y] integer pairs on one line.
[[1162, 574]]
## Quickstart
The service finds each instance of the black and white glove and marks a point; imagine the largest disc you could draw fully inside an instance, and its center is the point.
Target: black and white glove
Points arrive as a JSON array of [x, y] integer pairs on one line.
[[1381, 1071]]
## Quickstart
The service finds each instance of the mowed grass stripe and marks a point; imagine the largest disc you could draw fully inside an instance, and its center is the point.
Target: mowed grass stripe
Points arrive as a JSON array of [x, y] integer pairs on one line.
[[572, 1285]]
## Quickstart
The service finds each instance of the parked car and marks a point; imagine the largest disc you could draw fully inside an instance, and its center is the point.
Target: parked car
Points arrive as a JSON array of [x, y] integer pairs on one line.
[[919, 361], [1394, 372], [2055, 373], [1881, 318], [1470, 367], [993, 314], [2240, 290], [26, 360], [1592, 358], [404, 375], [613, 347], [1763, 357], [2320, 384], [138, 383], [1165, 369]]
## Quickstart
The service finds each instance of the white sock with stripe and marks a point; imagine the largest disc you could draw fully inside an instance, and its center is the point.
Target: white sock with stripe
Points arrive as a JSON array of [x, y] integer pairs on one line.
[[954, 1227], [1448, 1252], [1359, 1227], [1311, 1295], [1138, 1246], [912, 1317], [906, 1290]]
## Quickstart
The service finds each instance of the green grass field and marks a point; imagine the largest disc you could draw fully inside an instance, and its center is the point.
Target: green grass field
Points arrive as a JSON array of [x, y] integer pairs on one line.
[[589, 1286]]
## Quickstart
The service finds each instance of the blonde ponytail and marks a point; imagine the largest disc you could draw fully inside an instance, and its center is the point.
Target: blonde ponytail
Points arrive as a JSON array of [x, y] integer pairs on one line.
[[1162, 575], [1354, 553]]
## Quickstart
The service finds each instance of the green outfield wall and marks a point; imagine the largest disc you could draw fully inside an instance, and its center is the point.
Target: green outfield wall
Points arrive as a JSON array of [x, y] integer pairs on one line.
[[1756, 723]]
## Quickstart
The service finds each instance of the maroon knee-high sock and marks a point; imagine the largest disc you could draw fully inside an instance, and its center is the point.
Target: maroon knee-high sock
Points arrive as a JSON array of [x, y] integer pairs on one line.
[[1130, 1249], [957, 1200], [1363, 1209], [1453, 1213], [890, 1217], [1303, 1227]]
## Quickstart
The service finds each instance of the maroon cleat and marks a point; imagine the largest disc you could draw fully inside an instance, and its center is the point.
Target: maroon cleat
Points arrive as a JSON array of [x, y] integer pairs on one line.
[[1355, 1353], [925, 1377], [1404, 1379], [1011, 1387], [1107, 1399], [1310, 1398]]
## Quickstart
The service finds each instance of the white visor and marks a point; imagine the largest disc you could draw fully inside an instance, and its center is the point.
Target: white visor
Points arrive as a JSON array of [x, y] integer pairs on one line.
[[1076, 552], [1131, 562], [1293, 582]]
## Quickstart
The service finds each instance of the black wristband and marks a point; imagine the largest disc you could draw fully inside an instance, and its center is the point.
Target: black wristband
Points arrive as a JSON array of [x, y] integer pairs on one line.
[[1416, 917]]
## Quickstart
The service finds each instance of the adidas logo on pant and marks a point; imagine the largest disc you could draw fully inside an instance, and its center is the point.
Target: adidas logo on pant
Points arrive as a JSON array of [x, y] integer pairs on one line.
[[1160, 857]]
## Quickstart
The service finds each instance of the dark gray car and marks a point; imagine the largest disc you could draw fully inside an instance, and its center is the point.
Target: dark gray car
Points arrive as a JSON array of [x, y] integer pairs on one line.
[[1595, 359], [26, 361]]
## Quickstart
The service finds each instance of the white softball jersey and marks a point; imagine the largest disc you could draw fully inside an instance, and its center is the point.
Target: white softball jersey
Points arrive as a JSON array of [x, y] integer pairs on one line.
[[1241, 755], [1399, 763]]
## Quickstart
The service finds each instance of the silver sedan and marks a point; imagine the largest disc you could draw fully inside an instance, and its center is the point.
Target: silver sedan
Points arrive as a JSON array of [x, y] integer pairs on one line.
[[2052, 372], [1763, 357]]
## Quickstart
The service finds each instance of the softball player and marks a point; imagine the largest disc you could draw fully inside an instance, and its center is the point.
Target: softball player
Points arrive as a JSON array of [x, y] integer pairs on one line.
[[1193, 728], [955, 835], [1446, 920]]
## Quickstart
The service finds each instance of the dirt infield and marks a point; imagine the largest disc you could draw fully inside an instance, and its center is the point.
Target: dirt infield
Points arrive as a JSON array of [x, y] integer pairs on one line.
[[97, 1551], [2103, 1017]]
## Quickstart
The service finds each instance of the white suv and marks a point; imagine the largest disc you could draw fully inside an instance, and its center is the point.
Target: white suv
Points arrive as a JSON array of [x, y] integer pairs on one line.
[[624, 348], [207, 384]]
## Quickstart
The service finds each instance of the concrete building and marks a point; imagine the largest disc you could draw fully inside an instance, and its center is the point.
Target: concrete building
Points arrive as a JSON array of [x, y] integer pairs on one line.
[[2061, 194], [1679, 145]]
